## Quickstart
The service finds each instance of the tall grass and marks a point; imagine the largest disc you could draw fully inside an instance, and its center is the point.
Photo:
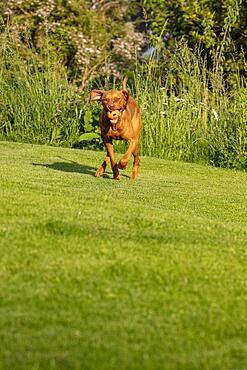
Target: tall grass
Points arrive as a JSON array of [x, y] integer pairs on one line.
[[189, 114], [37, 102]]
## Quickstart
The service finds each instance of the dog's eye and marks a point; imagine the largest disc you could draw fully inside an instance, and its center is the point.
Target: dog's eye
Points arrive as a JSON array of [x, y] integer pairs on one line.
[[116, 100]]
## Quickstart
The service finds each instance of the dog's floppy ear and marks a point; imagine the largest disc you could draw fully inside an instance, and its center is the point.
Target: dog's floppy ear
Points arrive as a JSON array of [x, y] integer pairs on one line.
[[96, 95], [126, 95]]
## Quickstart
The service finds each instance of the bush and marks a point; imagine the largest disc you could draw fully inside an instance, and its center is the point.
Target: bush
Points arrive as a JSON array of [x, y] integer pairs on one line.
[[188, 113], [92, 39], [38, 104]]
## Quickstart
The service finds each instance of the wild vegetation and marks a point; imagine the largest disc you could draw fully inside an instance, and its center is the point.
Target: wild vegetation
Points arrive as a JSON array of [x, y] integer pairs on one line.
[[190, 83]]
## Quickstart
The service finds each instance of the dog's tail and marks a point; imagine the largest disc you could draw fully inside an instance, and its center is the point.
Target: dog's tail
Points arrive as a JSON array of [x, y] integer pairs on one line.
[[124, 82]]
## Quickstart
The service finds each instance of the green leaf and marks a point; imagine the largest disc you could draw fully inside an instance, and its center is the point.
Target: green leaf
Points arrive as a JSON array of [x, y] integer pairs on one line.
[[87, 136]]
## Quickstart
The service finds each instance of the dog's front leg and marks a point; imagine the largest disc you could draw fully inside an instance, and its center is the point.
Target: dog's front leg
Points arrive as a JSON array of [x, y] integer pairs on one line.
[[136, 163], [101, 170], [124, 161], [110, 153]]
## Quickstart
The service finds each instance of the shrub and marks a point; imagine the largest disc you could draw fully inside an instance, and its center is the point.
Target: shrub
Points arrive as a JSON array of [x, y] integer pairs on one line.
[[189, 113], [38, 104]]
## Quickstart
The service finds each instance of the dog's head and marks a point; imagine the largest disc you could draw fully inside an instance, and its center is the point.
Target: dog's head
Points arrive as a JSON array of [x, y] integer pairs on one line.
[[113, 101]]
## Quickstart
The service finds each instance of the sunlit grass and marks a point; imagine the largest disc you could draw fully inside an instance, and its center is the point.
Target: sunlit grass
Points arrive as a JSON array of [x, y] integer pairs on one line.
[[98, 274]]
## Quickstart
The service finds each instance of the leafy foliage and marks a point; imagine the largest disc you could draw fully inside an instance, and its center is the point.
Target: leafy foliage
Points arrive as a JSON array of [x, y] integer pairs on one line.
[[193, 100], [193, 117], [37, 103], [91, 38], [219, 27]]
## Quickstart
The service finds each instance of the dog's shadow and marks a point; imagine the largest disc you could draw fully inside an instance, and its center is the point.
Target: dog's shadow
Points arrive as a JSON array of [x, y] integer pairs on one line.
[[71, 166]]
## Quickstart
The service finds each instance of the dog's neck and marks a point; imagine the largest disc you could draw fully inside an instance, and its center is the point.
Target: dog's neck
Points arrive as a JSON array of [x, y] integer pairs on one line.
[[115, 126]]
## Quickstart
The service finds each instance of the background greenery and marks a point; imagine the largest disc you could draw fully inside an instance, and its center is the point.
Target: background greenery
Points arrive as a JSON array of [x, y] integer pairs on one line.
[[185, 62]]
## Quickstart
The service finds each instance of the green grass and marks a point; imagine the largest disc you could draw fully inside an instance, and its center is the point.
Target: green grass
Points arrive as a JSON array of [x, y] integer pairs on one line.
[[97, 274]]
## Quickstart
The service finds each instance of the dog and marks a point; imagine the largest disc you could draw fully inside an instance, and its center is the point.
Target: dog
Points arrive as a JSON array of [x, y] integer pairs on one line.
[[120, 120]]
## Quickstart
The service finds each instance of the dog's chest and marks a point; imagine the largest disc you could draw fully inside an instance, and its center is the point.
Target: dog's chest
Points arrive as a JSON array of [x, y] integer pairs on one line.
[[116, 134]]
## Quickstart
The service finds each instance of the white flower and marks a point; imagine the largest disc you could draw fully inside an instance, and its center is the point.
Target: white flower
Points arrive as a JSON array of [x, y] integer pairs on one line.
[[178, 99], [216, 116]]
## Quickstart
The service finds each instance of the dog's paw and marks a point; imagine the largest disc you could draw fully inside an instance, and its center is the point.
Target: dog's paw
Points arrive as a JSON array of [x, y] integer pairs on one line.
[[100, 171], [134, 173], [115, 171], [122, 165], [117, 178]]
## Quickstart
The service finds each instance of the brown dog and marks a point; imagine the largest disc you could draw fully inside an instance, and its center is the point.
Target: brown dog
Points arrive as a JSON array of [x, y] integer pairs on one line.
[[120, 120]]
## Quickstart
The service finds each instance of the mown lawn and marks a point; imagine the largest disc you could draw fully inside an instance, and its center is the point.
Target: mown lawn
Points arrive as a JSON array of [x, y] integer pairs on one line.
[[97, 274]]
